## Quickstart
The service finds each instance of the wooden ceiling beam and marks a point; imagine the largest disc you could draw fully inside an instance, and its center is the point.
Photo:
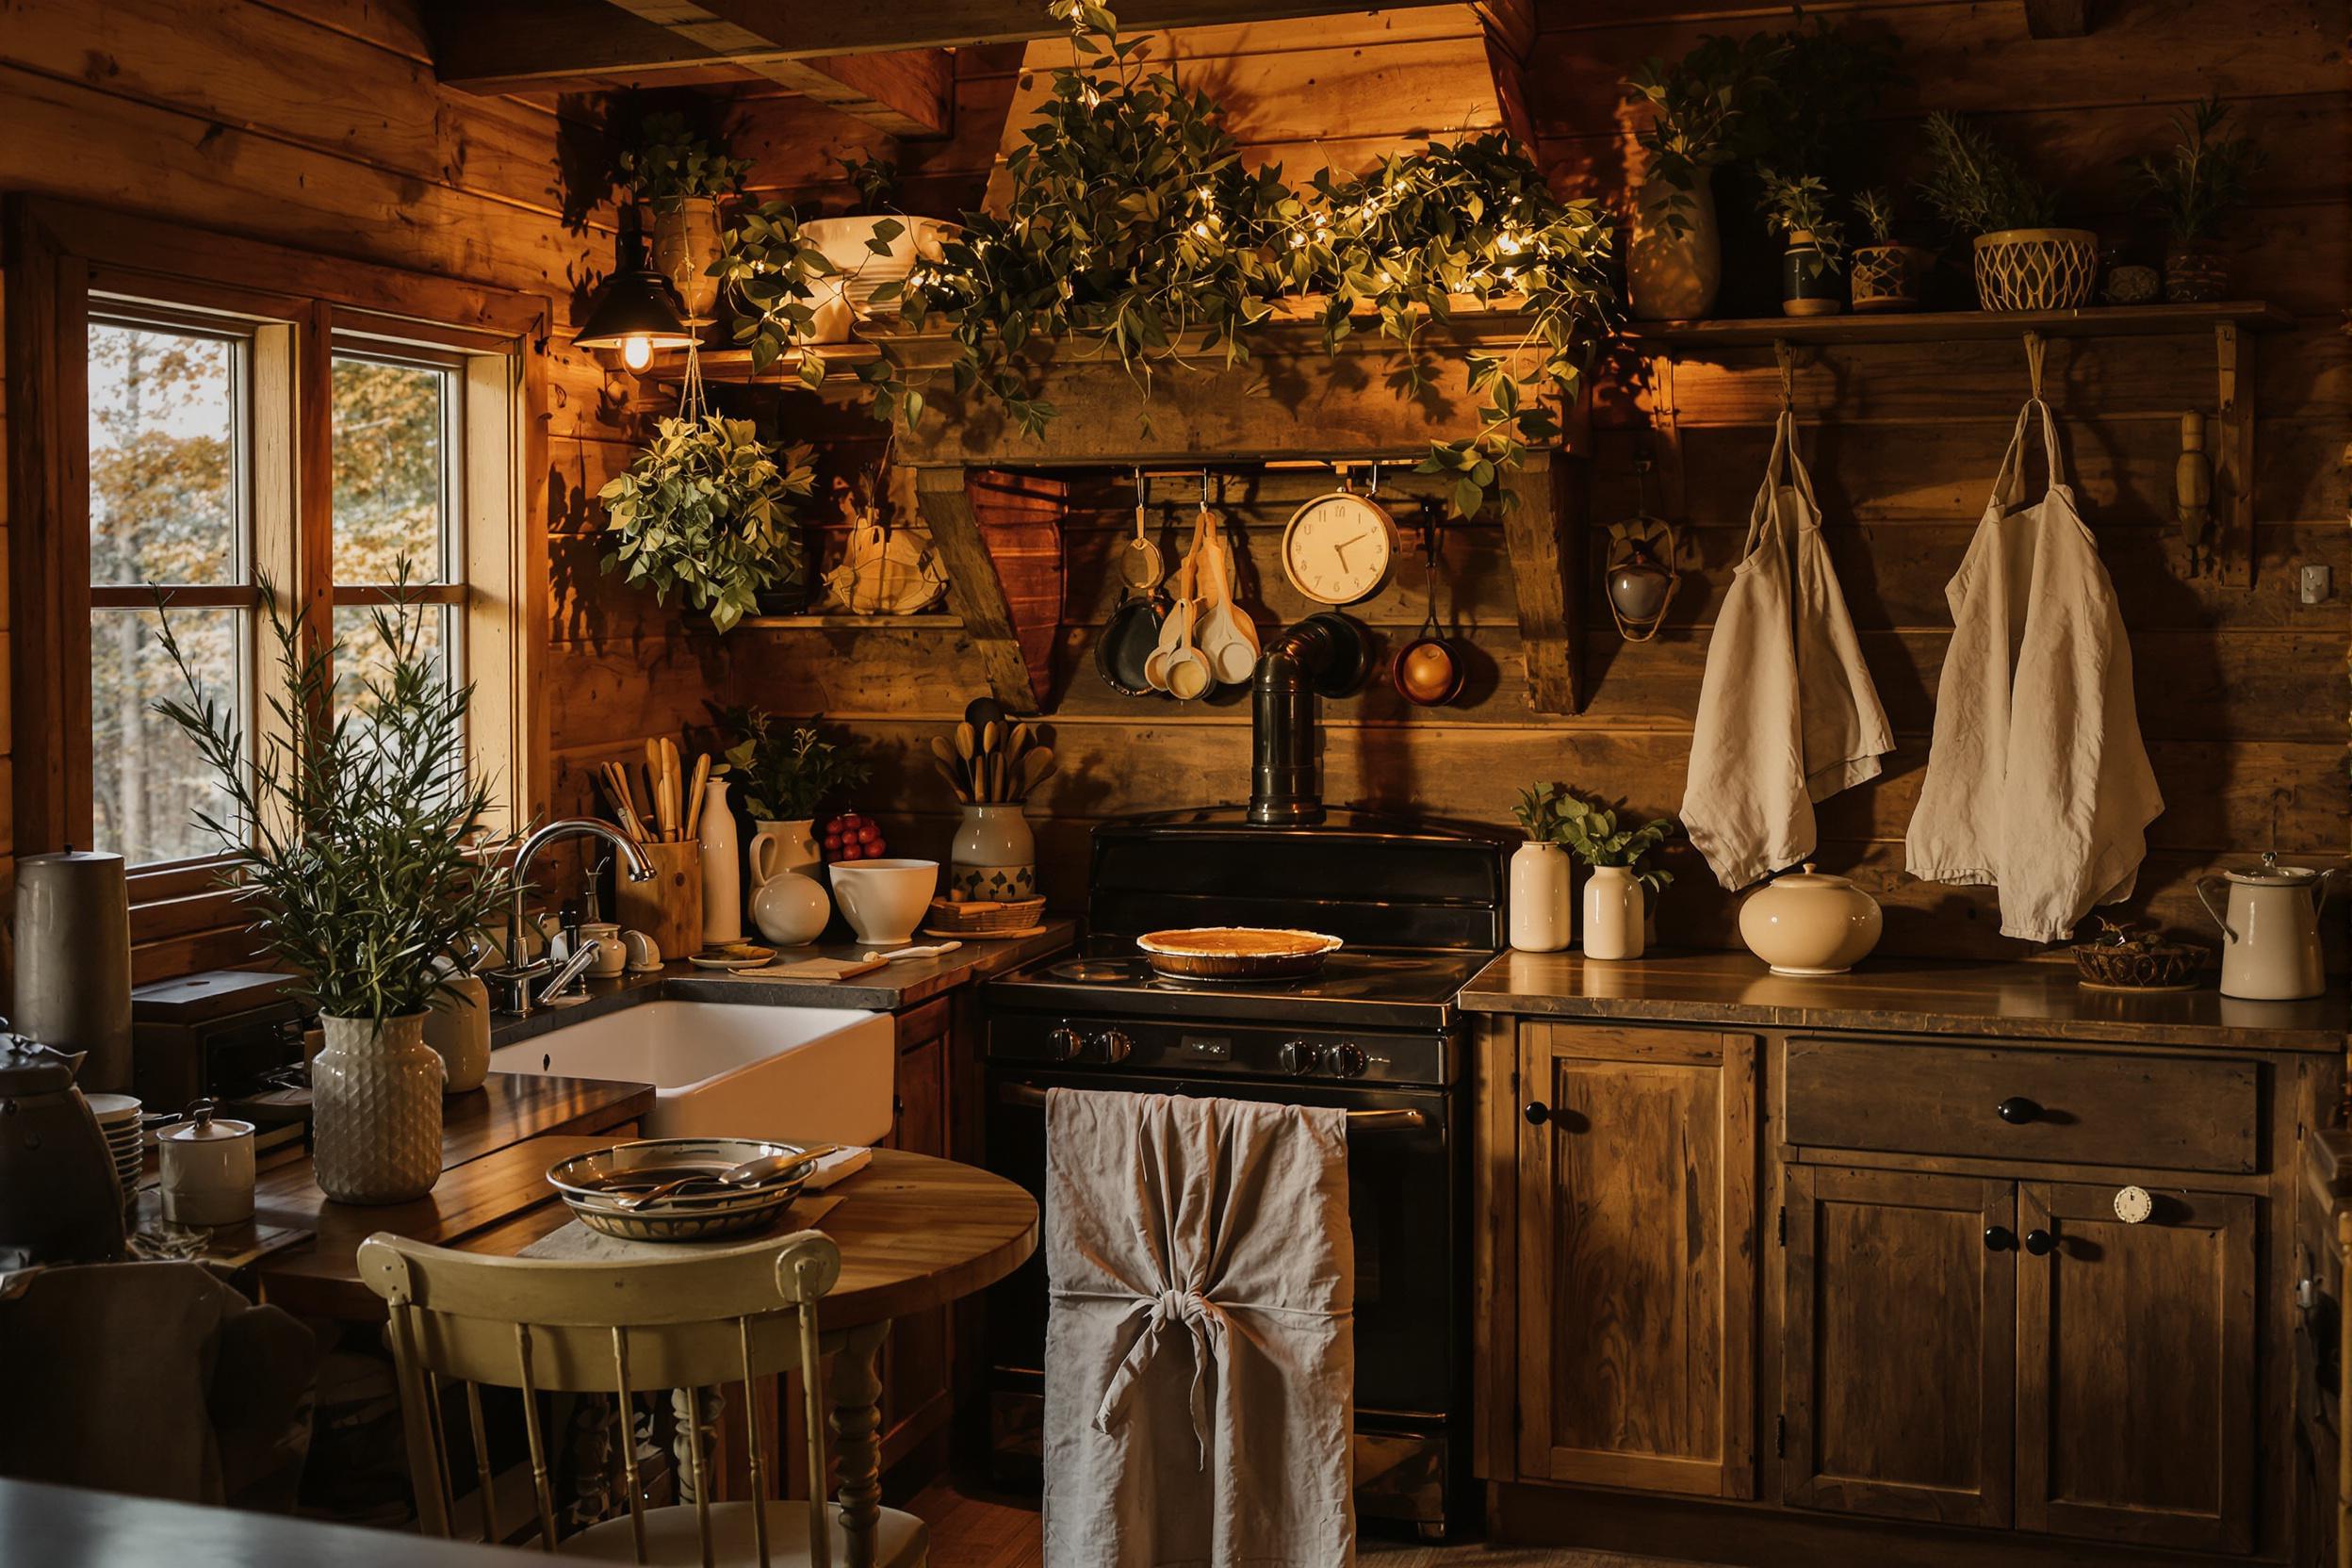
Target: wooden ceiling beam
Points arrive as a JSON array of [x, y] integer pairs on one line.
[[907, 92], [536, 45]]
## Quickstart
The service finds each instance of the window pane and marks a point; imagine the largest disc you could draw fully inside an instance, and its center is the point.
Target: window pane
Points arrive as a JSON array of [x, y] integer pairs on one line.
[[166, 421], [364, 657], [392, 471], [147, 778]]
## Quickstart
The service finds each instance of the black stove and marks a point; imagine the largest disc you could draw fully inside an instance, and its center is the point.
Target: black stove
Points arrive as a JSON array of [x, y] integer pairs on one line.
[[1419, 907]]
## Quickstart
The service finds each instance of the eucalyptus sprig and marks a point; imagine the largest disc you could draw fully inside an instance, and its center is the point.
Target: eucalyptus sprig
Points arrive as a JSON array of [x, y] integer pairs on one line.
[[1800, 205], [672, 163], [706, 508], [2205, 177], [357, 836]]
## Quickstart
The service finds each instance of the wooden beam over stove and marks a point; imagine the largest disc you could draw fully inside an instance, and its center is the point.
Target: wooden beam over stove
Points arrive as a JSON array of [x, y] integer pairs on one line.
[[532, 46], [907, 92]]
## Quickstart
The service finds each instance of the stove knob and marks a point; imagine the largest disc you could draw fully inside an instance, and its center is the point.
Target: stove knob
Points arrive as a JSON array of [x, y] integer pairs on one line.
[[1064, 1044], [1298, 1057], [1347, 1060], [1113, 1045]]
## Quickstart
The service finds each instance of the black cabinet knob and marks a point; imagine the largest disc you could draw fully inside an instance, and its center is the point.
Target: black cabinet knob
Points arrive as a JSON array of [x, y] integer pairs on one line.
[[2016, 1110], [2041, 1243], [2000, 1238], [1537, 1112]]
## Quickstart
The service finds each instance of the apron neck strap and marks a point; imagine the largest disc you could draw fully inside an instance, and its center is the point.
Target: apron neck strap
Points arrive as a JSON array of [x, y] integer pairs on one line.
[[2007, 488], [1785, 460]]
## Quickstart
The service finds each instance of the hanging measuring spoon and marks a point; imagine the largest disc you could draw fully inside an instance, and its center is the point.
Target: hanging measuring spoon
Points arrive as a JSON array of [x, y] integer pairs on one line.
[[1139, 564]]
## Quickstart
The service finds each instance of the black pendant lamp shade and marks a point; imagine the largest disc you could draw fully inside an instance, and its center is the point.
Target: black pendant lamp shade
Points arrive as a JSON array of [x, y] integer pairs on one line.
[[637, 311]]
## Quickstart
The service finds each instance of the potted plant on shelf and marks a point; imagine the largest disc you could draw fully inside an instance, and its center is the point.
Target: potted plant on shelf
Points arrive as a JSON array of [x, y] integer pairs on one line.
[[1673, 253], [1542, 912], [2022, 263], [683, 179], [1615, 913], [1887, 274], [877, 244], [706, 509], [2196, 188], [1811, 279], [781, 290], [359, 837], [788, 774]]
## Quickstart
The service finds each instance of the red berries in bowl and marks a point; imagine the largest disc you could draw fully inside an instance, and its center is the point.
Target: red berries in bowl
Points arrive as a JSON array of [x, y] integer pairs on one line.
[[851, 837]]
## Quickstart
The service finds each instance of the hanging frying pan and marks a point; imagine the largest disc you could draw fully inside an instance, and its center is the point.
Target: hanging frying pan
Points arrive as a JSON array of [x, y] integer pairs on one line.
[[1128, 637], [1430, 670]]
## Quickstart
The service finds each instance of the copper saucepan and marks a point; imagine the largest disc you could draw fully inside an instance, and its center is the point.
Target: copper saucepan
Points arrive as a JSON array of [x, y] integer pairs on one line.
[[1430, 670]]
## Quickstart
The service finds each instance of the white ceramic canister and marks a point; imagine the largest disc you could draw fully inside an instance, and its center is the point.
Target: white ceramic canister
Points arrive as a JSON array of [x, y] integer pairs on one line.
[[1807, 921], [721, 870], [1613, 914], [995, 854], [457, 1026], [208, 1168], [1541, 910]]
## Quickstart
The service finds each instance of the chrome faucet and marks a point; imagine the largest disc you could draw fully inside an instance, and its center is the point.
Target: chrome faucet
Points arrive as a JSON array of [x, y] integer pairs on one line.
[[511, 984]]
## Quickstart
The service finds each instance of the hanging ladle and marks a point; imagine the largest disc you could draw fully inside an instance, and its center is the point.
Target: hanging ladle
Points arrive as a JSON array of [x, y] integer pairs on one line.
[[1139, 564], [1430, 670]]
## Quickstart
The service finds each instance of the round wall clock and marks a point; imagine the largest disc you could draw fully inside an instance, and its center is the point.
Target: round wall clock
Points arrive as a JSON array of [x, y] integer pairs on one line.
[[1338, 548]]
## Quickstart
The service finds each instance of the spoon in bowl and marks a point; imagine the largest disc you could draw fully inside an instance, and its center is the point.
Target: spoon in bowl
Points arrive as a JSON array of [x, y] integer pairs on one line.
[[748, 1174]]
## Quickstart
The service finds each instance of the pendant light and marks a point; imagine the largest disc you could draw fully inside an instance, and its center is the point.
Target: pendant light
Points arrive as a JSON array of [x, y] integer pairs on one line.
[[637, 310]]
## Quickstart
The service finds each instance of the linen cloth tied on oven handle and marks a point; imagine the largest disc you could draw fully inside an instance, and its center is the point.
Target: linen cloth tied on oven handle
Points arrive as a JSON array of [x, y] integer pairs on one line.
[[1214, 1234]]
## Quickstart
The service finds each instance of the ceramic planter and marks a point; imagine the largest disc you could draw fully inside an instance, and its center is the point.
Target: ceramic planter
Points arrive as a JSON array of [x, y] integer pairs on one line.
[[1675, 254], [1810, 284], [1615, 915], [1889, 277], [1540, 919], [995, 855], [375, 1093], [686, 240], [848, 244], [2195, 272]]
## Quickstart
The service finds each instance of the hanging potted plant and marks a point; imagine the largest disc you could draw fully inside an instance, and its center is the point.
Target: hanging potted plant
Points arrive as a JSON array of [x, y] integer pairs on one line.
[[1673, 253], [358, 837], [2196, 188], [706, 509], [1812, 280], [683, 179], [1887, 274], [2022, 263], [1616, 907]]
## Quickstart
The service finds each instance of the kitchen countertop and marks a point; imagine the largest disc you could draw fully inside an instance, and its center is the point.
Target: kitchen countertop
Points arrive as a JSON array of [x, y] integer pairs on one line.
[[2037, 1000], [904, 984]]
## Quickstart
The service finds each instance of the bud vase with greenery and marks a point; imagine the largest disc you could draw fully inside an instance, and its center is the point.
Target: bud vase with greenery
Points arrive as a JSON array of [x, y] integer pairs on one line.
[[360, 841]]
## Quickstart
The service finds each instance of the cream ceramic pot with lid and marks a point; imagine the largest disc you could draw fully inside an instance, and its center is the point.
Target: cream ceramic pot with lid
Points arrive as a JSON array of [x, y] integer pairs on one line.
[[2270, 930], [207, 1166], [1810, 923]]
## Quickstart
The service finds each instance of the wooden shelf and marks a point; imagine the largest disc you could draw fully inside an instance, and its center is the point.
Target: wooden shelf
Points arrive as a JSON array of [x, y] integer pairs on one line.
[[1957, 325], [788, 623]]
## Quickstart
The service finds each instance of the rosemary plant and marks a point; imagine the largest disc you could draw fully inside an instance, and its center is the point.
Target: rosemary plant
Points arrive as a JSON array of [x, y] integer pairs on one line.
[[1976, 186], [2206, 177]]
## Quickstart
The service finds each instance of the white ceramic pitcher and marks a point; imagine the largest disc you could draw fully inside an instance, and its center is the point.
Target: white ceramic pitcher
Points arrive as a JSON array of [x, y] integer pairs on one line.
[[2270, 931]]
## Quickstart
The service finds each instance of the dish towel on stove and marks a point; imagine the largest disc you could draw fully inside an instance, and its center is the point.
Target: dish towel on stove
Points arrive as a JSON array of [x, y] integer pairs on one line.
[[1200, 1353]]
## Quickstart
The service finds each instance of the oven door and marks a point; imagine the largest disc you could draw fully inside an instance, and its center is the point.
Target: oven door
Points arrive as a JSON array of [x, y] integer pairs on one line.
[[1403, 1199]]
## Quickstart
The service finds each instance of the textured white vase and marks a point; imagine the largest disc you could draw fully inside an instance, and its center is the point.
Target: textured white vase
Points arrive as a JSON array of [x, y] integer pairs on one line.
[[721, 870], [995, 855], [1612, 914], [1542, 919], [375, 1089]]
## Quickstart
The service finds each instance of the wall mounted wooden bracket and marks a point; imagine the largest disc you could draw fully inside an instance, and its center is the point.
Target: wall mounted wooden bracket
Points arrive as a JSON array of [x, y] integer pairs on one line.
[[975, 593]]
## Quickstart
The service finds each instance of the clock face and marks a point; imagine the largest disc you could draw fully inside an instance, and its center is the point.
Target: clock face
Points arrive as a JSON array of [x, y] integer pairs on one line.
[[1338, 548]]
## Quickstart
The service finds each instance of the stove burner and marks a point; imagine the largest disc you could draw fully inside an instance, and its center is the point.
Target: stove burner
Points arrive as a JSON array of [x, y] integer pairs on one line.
[[1098, 969]]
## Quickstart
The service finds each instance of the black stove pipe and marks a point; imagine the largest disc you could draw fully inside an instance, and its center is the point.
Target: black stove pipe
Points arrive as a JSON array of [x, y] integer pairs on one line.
[[1325, 653]]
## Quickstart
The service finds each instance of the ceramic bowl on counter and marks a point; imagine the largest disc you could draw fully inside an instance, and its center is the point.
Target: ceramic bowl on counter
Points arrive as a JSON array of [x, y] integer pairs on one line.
[[1810, 923]]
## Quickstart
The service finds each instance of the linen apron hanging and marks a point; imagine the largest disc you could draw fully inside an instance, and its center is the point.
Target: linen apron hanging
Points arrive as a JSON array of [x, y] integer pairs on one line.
[[1787, 713], [2037, 781]]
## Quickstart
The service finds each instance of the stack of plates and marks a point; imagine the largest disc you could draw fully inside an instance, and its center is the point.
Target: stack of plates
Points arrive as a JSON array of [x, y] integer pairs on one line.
[[590, 1182], [118, 1120]]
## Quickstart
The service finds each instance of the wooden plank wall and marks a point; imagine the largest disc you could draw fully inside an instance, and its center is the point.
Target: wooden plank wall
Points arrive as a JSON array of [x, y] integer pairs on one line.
[[2242, 696], [321, 128]]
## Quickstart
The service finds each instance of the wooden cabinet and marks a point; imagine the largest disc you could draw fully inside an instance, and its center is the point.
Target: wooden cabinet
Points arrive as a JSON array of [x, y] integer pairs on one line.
[[917, 1358], [1637, 1248], [1899, 1335]]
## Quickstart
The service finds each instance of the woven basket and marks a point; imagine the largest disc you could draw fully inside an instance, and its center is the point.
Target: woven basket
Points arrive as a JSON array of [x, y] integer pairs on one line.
[[981, 918], [2036, 268]]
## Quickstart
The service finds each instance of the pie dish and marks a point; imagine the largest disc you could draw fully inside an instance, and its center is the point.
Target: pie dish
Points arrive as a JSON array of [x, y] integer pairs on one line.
[[1235, 952]]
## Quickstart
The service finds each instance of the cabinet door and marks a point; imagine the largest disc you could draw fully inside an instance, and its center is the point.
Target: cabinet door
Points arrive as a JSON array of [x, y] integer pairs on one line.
[[917, 1358], [2136, 1401], [1899, 1345], [1636, 1259]]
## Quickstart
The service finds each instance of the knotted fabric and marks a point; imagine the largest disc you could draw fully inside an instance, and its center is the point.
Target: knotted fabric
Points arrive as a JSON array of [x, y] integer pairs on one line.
[[1200, 1357]]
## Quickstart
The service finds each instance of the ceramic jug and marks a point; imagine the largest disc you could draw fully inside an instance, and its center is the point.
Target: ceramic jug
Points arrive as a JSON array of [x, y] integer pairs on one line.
[[788, 904], [2270, 930]]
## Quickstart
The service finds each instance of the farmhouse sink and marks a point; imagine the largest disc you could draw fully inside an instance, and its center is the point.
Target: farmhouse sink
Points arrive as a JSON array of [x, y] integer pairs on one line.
[[810, 1074]]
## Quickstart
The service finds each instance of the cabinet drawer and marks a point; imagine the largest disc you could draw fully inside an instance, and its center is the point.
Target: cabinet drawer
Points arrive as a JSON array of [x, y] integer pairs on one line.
[[2066, 1107]]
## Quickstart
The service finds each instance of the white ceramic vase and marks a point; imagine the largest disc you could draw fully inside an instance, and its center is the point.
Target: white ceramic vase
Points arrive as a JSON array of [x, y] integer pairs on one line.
[[457, 1027], [1674, 253], [1613, 914], [1542, 918], [722, 869], [375, 1090], [995, 855]]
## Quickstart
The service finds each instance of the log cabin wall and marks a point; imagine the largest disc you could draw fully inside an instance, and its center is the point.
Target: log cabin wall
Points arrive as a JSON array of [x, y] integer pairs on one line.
[[2242, 689]]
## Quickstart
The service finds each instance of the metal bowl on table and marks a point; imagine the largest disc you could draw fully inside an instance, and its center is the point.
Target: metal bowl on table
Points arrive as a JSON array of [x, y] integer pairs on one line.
[[592, 1183]]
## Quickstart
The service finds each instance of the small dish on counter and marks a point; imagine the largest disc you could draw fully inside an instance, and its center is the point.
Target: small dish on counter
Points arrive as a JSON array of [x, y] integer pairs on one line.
[[734, 956], [591, 1182], [1809, 923]]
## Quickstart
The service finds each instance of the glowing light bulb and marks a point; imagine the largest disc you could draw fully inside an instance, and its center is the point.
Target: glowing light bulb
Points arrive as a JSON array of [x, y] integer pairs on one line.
[[637, 352]]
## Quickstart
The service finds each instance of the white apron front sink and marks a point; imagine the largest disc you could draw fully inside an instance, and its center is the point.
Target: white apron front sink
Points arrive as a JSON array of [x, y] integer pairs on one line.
[[803, 1074]]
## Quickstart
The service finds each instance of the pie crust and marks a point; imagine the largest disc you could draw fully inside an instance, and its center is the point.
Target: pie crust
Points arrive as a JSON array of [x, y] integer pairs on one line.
[[1238, 941]]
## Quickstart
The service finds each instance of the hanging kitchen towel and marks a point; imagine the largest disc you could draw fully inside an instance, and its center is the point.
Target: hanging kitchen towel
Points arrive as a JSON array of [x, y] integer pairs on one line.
[[1787, 713], [1199, 1352], [2037, 777]]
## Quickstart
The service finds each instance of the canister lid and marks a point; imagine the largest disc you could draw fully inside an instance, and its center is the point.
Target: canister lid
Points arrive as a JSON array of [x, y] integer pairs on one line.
[[201, 1126], [2270, 873]]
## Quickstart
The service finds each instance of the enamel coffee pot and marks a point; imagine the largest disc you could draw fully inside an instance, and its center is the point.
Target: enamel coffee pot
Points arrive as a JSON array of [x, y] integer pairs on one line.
[[2270, 930]]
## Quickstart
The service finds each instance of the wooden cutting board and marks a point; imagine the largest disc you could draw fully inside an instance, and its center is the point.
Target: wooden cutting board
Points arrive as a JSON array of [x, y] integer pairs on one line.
[[817, 969]]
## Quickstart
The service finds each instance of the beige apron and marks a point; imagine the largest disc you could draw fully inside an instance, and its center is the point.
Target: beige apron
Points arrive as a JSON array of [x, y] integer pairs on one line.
[[1787, 714], [2036, 779]]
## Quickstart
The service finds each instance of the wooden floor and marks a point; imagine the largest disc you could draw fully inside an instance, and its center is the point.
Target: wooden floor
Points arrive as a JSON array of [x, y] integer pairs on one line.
[[979, 1532]]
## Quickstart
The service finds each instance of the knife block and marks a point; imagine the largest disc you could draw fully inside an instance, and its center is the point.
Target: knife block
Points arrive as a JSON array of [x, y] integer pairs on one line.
[[669, 908]]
